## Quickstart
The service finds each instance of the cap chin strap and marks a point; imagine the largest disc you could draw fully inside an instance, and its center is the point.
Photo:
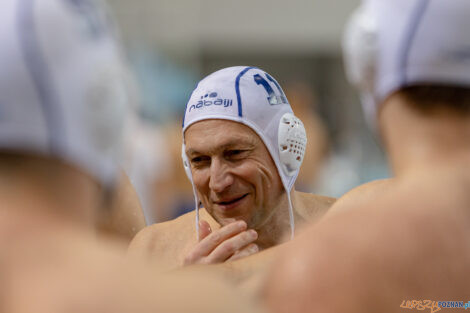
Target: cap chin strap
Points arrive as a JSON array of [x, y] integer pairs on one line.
[[291, 216], [196, 205]]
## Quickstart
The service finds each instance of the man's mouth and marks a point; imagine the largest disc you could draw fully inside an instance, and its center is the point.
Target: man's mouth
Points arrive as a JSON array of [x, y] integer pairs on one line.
[[231, 203]]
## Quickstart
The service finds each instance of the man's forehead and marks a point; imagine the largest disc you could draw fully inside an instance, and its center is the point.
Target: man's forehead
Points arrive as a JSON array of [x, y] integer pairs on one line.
[[218, 133]]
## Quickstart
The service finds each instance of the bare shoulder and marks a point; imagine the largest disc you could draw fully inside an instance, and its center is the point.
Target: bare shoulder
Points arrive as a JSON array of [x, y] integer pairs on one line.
[[94, 275], [397, 240], [169, 241], [361, 195], [372, 186], [335, 257], [405, 241], [311, 206], [164, 241]]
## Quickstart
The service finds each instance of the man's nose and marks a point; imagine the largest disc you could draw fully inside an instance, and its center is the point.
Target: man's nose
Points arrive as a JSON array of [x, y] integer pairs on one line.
[[220, 176]]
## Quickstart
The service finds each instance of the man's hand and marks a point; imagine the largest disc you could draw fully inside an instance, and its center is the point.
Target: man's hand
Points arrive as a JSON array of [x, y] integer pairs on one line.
[[231, 242]]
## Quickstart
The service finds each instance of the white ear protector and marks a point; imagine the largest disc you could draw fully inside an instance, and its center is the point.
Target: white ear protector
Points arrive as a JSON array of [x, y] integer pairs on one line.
[[292, 140]]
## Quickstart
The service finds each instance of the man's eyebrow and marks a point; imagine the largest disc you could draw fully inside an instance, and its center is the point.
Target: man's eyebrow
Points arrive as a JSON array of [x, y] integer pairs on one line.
[[238, 143], [191, 152]]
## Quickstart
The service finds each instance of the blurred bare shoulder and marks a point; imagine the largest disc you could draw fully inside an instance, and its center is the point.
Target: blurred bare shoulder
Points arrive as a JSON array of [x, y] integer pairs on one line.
[[405, 237], [361, 195], [167, 242], [90, 276]]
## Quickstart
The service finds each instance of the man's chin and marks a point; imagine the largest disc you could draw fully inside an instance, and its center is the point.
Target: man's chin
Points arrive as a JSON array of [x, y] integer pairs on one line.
[[225, 219]]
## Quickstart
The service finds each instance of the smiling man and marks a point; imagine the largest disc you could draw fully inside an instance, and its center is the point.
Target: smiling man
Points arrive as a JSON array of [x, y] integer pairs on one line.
[[242, 151]]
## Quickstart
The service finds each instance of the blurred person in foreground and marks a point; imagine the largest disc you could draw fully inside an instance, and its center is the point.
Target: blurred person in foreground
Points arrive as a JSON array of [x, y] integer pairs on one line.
[[62, 107], [242, 151], [408, 245]]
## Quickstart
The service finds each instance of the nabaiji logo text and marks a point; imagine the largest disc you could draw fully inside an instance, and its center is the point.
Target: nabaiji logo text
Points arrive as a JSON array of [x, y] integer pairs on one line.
[[211, 99]]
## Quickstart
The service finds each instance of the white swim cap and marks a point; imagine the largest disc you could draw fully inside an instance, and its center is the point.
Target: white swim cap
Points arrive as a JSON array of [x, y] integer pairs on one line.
[[62, 83], [250, 96], [391, 44]]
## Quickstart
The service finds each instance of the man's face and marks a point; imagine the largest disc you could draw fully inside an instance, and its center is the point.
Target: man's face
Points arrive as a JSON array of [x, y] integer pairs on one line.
[[233, 172]]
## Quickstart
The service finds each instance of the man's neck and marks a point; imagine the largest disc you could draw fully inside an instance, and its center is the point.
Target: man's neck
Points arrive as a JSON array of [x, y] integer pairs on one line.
[[419, 143], [277, 228]]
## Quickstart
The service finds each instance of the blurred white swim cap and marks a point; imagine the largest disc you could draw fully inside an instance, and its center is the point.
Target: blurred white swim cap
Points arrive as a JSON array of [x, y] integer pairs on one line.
[[391, 44], [62, 83]]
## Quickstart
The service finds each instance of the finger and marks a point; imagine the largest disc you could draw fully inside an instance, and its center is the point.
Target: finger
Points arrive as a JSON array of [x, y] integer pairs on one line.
[[204, 229], [211, 241], [243, 253], [226, 249], [208, 244]]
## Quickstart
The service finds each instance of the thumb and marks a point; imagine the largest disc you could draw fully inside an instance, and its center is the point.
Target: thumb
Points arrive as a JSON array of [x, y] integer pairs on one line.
[[204, 229]]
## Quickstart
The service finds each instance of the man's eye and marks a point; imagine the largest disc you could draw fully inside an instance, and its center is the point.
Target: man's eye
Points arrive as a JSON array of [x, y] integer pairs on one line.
[[235, 153], [200, 160]]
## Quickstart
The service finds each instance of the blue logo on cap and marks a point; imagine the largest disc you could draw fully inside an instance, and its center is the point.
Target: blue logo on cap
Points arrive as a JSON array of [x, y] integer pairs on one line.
[[273, 99], [211, 95], [210, 99]]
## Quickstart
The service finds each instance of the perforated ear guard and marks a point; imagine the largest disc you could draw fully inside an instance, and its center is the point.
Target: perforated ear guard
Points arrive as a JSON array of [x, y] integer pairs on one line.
[[292, 141]]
